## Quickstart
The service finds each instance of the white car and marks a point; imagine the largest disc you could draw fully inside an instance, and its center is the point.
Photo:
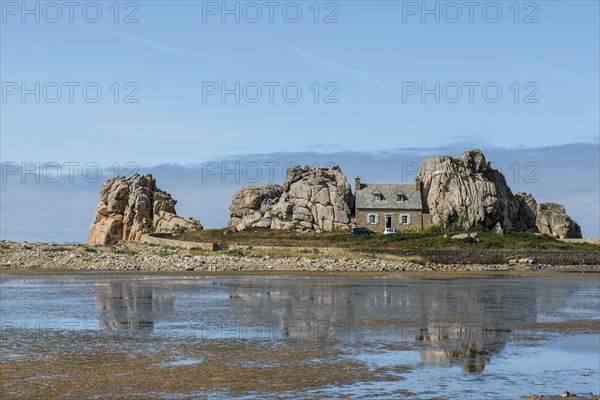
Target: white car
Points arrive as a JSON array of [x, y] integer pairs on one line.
[[388, 231]]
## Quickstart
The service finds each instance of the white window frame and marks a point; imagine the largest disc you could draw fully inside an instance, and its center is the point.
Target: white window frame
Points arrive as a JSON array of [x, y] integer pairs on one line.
[[400, 197], [408, 219], [375, 219], [377, 197]]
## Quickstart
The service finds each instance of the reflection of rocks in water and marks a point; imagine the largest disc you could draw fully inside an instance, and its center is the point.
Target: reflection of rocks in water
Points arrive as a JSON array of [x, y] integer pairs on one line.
[[294, 312], [471, 347], [130, 305], [453, 322]]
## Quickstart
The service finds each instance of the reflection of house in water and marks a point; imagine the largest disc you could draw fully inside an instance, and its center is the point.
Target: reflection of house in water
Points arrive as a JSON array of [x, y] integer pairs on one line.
[[467, 326], [451, 322], [130, 305]]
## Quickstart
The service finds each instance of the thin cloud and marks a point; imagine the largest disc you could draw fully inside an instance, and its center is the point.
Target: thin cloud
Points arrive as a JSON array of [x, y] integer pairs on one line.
[[146, 42], [361, 74], [214, 60]]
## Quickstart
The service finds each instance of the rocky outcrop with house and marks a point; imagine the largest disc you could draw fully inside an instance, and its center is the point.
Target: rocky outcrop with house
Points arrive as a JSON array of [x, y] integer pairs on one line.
[[311, 199], [467, 192], [130, 207]]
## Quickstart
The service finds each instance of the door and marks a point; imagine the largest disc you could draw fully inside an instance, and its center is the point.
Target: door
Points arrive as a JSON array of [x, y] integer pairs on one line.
[[388, 221]]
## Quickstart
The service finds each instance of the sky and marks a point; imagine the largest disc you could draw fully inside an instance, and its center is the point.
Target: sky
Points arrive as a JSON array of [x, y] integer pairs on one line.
[[172, 87]]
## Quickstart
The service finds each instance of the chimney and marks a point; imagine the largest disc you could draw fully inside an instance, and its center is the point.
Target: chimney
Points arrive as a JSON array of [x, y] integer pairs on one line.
[[356, 184], [418, 185]]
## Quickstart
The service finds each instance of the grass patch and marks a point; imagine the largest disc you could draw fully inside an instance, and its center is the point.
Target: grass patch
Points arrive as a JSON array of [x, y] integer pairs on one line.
[[198, 251], [89, 249], [123, 250], [426, 239], [258, 237], [55, 249], [166, 251], [312, 254], [296, 252], [249, 251]]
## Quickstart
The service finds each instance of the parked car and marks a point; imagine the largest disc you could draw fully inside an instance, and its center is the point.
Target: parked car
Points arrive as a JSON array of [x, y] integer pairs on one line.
[[360, 231], [389, 231]]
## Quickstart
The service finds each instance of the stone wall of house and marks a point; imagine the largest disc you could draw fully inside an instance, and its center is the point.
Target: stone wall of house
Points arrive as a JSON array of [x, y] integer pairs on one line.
[[416, 219]]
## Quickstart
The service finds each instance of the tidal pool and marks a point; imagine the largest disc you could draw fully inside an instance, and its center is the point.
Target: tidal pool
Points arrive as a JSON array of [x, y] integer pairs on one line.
[[144, 335]]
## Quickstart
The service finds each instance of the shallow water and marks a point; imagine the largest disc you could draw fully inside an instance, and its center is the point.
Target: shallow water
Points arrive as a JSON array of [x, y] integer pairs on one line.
[[452, 337]]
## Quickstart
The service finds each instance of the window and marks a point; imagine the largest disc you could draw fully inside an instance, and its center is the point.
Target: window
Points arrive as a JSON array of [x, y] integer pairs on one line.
[[372, 219], [405, 219], [400, 197], [377, 197]]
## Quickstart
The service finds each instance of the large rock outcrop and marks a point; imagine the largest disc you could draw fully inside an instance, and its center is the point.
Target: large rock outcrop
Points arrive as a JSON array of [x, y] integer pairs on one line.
[[251, 206], [467, 192], [311, 199], [130, 207], [552, 219]]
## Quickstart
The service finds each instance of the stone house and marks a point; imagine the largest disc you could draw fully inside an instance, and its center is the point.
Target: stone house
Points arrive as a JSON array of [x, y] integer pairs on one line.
[[380, 206]]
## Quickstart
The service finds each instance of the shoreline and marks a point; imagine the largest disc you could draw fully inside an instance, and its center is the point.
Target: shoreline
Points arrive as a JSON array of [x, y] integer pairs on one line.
[[30, 257]]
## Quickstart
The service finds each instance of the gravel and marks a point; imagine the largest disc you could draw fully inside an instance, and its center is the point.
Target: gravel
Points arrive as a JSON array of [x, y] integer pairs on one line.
[[148, 257]]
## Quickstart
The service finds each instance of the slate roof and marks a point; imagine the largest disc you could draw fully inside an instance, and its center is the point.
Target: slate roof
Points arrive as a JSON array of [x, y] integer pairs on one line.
[[365, 198]]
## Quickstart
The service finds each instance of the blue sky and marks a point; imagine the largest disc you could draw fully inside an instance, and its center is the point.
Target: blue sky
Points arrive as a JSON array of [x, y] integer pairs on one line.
[[370, 58]]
